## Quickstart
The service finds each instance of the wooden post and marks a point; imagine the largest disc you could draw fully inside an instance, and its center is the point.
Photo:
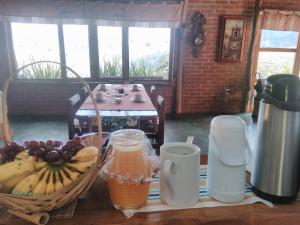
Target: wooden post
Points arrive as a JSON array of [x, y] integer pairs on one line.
[[250, 61]]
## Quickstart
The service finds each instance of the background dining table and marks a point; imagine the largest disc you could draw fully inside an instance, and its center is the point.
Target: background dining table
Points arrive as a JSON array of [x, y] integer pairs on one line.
[[126, 114]]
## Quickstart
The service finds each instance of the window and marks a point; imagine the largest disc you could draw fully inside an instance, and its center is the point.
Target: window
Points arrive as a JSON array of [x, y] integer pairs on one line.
[[36, 42], [77, 49], [94, 52], [110, 51], [149, 50], [278, 53]]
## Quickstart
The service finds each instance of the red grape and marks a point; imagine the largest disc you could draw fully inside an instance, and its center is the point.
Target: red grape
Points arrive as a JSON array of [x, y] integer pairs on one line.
[[77, 140], [79, 147], [52, 156], [26, 144], [49, 143], [57, 144], [34, 144], [70, 144], [14, 145], [40, 152], [43, 144], [65, 156]]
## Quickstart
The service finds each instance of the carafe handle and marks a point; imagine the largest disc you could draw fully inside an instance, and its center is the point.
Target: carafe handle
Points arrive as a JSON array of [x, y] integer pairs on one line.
[[226, 162]]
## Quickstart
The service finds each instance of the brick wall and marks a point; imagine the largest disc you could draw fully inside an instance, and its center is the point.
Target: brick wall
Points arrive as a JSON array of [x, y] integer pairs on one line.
[[204, 79]]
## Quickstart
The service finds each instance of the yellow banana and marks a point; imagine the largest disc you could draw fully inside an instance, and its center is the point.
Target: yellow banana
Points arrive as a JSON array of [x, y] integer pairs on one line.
[[74, 174], [50, 183], [86, 154], [58, 182], [81, 166], [64, 178], [15, 168], [40, 187], [9, 184], [39, 164], [22, 155], [27, 184]]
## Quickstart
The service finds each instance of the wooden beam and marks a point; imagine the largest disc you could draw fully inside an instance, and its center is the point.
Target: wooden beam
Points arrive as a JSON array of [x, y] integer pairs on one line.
[[93, 51], [62, 53], [297, 58], [249, 70], [277, 49], [125, 54]]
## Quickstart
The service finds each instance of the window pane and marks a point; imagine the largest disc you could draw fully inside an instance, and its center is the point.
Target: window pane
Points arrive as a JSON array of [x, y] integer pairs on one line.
[[278, 39], [270, 63], [110, 51], [77, 49], [36, 42], [149, 50]]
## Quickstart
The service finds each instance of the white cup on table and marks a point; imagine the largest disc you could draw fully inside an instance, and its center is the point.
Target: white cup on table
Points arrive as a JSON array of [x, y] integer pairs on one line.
[[102, 87], [99, 97], [135, 87], [118, 100]]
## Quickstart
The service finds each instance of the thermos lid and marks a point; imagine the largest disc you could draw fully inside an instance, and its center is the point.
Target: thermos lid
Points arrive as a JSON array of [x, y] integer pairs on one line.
[[228, 139], [283, 91], [227, 123]]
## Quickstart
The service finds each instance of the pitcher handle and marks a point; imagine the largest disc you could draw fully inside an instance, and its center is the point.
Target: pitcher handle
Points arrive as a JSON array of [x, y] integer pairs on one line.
[[168, 166]]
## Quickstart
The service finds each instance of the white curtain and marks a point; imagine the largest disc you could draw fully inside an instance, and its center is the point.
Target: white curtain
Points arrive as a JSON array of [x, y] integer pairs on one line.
[[145, 14], [280, 20]]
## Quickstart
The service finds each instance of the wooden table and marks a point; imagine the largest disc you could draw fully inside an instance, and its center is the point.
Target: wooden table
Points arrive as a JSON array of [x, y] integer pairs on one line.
[[109, 109], [95, 209]]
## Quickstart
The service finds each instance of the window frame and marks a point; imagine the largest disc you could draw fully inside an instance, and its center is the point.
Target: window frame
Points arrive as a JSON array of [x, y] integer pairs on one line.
[[94, 58], [296, 50]]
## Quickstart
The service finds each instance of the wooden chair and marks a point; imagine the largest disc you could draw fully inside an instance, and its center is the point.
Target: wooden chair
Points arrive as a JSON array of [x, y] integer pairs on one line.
[[74, 104], [153, 95], [150, 126], [83, 94], [157, 138]]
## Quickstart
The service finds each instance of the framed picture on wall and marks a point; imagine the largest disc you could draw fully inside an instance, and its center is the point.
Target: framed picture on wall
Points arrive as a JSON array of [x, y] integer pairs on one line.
[[232, 38]]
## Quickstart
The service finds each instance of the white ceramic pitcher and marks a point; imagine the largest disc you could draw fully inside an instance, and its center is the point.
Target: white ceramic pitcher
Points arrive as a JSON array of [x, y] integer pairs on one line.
[[179, 174]]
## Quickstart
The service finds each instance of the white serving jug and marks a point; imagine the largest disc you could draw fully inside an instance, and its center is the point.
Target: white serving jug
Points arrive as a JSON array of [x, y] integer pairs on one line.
[[227, 159], [179, 174]]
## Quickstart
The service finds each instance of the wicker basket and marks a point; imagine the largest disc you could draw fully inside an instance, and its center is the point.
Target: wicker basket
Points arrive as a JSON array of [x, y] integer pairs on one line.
[[35, 208]]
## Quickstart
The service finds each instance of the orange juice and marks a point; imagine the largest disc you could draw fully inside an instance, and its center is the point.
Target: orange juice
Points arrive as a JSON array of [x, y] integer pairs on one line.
[[130, 165], [128, 196]]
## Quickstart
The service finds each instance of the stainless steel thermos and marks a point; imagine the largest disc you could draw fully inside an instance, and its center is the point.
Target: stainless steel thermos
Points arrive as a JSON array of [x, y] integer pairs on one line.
[[276, 167]]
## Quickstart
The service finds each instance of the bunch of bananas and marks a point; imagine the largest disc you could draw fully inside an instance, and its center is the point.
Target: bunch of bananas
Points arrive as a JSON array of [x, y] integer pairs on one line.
[[30, 175]]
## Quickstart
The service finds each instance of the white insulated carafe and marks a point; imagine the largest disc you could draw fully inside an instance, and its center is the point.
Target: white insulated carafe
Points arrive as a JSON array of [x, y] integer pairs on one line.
[[227, 159]]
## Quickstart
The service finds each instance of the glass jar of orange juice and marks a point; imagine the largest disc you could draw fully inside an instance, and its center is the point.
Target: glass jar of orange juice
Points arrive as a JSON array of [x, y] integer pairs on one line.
[[129, 168]]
